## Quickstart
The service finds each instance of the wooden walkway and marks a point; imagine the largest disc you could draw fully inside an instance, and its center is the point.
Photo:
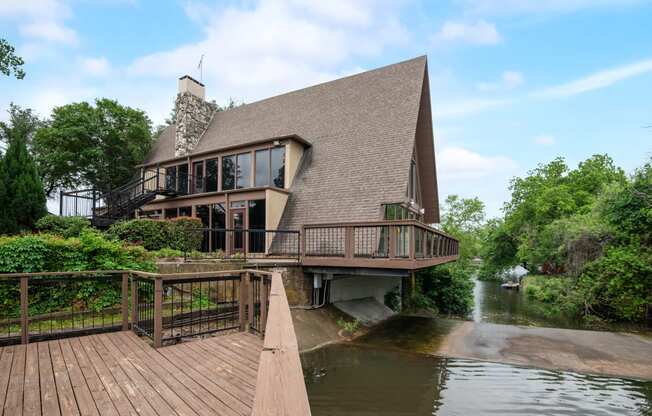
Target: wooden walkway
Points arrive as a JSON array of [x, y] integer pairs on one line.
[[120, 374]]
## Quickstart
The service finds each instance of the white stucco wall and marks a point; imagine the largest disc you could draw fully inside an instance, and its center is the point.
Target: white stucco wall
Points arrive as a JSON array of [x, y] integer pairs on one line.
[[358, 287]]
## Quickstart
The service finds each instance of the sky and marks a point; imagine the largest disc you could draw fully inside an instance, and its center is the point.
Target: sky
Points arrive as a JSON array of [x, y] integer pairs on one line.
[[513, 83]]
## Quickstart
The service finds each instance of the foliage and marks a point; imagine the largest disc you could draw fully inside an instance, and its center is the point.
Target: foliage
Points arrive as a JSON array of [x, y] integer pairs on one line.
[[96, 145], [21, 196], [392, 300], [47, 252], [463, 218], [9, 62], [62, 226], [349, 326], [448, 288], [182, 233], [498, 250], [23, 124], [166, 253]]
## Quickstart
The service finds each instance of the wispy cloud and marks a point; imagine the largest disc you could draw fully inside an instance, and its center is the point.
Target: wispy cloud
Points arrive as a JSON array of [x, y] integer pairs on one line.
[[475, 33], [544, 140], [462, 163], [508, 80], [521, 7], [598, 80]]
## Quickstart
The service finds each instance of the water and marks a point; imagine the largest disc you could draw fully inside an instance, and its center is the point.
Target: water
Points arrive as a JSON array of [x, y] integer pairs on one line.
[[384, 374], [356, 380]]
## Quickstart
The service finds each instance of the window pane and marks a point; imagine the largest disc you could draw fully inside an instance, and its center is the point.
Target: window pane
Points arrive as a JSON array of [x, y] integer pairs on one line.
[[170, 213], [243, 173], [171, 177], [278, 167], [183, 178], [198, 172], [185, 211], [211, 175], [218, 235], [262, 168], [228, 172]]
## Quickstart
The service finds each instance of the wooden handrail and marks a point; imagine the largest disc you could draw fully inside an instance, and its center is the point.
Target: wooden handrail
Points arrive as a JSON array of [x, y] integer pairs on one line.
[[280, 387], [397, 223]]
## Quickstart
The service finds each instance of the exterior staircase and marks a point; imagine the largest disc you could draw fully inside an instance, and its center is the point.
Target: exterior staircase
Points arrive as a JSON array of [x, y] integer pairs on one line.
[[105, 208]]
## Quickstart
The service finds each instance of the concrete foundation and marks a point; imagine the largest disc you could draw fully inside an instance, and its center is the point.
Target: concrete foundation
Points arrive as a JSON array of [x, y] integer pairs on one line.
[[359, 287]]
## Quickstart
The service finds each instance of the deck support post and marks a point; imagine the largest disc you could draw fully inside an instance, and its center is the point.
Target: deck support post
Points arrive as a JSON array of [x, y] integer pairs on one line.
[[158, 313], [244, 279], [24, 310], [125, 301]]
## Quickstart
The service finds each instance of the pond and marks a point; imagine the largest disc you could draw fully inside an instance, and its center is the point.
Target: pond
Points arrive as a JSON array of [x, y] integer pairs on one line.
[[357, 380], [388, 372]]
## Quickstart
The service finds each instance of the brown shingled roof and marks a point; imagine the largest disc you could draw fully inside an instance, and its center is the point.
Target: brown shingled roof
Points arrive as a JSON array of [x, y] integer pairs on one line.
[[361, 129]]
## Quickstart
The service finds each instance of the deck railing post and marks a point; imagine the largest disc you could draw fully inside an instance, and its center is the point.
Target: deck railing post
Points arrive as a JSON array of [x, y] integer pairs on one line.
[[158, 312], [250, 301], [244, 277], [263, 304], [302, 241], [412, 230], [348, 241], [125, 301], [134, 302], [392, 230], [24, 310]]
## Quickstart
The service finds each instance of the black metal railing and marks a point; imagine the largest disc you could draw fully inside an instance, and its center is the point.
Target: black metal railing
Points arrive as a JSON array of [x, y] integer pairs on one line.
[[249, 243], [143, 319]]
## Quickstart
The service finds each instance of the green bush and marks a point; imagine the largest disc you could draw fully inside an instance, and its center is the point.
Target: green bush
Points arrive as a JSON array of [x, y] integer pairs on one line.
[[62, 226], [448, 288], [178, 234], [393, 300]]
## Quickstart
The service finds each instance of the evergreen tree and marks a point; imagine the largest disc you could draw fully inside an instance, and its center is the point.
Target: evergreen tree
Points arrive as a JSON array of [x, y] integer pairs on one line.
[[6, 221], [25, 200]]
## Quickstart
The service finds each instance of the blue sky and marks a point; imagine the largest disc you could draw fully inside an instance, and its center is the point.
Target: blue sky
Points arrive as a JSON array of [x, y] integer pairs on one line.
[[513, 82]]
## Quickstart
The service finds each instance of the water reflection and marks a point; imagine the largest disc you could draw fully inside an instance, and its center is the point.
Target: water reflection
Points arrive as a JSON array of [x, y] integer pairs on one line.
[[356, 380]]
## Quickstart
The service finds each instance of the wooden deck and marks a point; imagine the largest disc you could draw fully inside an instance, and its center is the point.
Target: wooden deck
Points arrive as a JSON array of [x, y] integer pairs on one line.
[[120, 374]]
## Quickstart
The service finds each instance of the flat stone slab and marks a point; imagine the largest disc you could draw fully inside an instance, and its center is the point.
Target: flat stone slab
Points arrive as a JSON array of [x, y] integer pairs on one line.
[[609, 353], [367, 310]]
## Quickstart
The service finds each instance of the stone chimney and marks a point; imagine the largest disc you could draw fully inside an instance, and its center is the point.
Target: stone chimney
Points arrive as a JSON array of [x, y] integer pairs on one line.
[[193, 114]]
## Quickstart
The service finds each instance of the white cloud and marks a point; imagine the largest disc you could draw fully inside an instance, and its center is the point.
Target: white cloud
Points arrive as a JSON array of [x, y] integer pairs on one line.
[[476, 33], [97, 67], [521, 7], [598, 80], [463, 107], [49, 31], [508, 80], [455, 162], [544, 140], [276, 45]]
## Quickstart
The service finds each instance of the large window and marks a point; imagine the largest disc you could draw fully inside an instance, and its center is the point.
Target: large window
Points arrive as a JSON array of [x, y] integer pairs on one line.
[[278, 167], [198, 173], [243, 171], [183, 178], [262, 168], [228, 172], [211, 175], [185, 211], [218, 223], [171, 177]]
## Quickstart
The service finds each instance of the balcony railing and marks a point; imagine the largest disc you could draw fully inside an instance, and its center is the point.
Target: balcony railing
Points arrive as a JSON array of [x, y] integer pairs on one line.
[[386, 244]]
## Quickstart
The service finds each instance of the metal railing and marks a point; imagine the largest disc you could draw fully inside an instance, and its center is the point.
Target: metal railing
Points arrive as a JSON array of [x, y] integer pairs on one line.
[[402, 239], [249, 243]]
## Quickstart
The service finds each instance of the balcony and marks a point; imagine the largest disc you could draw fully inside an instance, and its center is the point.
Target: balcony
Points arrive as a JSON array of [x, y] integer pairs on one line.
[[405, 244]]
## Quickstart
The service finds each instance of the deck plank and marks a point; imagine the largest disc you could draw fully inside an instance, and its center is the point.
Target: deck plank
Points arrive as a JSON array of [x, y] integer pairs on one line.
[[85, 402], [67, 401], [6, 359], [238, 373], [49, 398], [14, 401], [32, 388]]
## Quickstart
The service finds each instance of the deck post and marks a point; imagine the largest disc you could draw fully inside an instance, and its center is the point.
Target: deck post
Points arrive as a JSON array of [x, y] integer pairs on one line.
[[125, 301], [263, 304], [392, 230], [134, 302], [348, 241], [412, 230], [244, 277], [250, 301], [24, 310], [158, 312], [302, 241]]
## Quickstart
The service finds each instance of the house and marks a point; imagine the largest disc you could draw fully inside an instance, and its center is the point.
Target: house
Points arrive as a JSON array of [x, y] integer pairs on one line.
[[340, 174]]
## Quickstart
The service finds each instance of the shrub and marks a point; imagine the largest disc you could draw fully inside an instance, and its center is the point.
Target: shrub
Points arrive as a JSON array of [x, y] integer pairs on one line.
[[393, 300], [448, 288], [181, 233], [62, 226], [349, 327]]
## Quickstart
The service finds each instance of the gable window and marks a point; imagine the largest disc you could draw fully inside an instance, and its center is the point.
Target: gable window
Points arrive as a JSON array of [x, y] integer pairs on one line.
[[412, 185], [278, 167], [228, 172], [243, 171], [262, 168], [198, 176], [211, 175]]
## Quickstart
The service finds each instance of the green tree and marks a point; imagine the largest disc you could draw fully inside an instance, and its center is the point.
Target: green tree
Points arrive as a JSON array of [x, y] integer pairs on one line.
[[9, 62], [23, 123], [25, 200], [463, 218], [97, 146]]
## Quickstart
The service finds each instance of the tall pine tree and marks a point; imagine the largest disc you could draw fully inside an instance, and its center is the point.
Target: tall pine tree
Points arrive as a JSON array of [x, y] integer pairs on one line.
[[24, 199]]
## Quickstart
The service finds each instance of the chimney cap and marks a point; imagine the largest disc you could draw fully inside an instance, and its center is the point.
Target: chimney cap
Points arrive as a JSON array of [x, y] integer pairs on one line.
[[192, 79]]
